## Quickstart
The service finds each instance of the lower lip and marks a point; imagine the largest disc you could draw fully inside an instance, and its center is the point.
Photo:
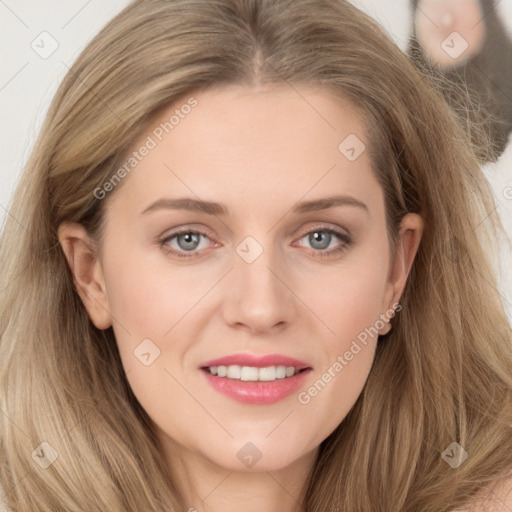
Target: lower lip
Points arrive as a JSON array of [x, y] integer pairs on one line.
[[257, 392]]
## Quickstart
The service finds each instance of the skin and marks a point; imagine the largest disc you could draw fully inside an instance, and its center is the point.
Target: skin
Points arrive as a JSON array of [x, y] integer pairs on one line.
[[259, 151]]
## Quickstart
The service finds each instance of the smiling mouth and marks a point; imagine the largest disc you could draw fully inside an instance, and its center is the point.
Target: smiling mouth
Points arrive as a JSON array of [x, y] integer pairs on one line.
[[253, 373]]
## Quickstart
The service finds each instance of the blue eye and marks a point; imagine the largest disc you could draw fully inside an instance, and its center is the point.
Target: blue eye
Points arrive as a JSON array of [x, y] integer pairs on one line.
[[320, 238], [187, 241]]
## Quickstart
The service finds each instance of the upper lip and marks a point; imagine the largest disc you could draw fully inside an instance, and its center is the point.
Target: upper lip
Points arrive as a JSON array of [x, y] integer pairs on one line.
[[258, 361]]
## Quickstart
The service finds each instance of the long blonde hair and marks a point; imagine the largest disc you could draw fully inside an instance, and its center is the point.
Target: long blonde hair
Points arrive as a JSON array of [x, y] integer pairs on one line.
[[443, 373]]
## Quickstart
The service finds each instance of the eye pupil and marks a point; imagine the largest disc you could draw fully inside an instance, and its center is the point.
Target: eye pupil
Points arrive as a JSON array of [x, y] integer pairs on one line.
[[317, 236], [191, 238]]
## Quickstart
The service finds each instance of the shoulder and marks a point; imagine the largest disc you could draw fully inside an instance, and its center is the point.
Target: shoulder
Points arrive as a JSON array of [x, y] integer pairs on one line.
[[496, 498]]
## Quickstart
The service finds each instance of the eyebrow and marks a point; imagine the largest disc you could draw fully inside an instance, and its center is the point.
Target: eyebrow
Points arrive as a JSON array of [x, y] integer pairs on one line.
[[213, 208]]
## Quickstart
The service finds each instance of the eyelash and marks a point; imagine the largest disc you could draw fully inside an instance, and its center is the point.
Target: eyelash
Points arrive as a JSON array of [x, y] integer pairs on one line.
[[346, 239]]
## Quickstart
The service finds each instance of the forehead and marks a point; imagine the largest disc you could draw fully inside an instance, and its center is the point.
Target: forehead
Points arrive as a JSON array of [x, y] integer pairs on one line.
[[274, 143]]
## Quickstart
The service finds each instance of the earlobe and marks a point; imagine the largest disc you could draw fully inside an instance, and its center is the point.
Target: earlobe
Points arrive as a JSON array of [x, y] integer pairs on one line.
[[80, 252]]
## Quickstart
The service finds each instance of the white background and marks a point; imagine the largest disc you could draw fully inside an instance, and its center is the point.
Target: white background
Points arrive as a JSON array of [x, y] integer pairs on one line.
[[28, 82]]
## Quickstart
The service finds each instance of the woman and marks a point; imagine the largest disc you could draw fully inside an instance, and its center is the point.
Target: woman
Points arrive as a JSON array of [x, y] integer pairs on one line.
[[175, 332]]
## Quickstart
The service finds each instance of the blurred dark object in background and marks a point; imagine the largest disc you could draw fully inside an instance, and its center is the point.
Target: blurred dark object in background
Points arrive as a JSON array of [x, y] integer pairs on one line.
[[466, 42]]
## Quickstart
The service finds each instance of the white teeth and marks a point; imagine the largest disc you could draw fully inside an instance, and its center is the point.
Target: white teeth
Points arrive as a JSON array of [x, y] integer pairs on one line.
[[234, 371], [249, 373], [272, 373], [252, 373]]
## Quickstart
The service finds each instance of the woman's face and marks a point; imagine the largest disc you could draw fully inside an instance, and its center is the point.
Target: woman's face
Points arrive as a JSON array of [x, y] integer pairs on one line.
[[248, 281]]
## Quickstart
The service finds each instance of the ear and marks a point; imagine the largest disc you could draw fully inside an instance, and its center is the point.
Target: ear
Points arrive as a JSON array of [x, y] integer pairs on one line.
[[80, 252], [411, 230]]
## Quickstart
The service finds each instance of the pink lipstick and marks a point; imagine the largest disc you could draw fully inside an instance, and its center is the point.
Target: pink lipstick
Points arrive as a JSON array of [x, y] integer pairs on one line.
[[253, 379]]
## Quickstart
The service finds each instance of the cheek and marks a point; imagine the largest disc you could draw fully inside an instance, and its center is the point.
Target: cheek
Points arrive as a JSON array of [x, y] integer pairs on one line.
[[145, 298], [350, 298], [145, 308], [141, 305], [350, 306]]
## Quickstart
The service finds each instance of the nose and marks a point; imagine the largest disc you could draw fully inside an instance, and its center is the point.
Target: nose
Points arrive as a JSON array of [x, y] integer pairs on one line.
[[259, 294]]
